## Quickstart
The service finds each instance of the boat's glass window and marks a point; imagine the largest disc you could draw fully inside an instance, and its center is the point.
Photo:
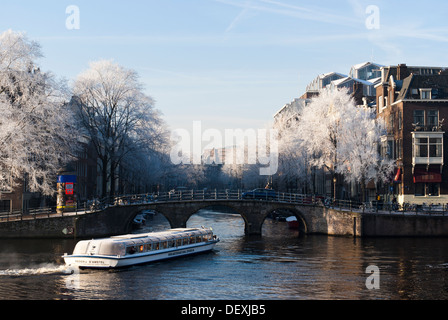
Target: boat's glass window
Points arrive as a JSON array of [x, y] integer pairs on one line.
[[141, 248], [171, 243], [198, 239], [148, 247], [192, 239], [156, 246], [163, 245], [178, 242], [131, 250]]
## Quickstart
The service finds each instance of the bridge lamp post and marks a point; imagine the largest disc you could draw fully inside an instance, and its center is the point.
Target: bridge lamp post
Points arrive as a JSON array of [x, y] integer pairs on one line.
[[334, 188]]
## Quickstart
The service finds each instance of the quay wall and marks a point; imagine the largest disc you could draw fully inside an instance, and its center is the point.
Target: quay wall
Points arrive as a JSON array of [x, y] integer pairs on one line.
[[332, 222], [39, 228], [345, 223], [409, 225], [100, 224]]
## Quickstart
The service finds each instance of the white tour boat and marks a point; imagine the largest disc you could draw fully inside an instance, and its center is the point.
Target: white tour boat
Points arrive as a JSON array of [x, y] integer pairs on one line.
[[132, 249]]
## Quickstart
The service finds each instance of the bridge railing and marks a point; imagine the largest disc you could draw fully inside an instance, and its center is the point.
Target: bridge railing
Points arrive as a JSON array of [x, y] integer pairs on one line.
[[210, 195]]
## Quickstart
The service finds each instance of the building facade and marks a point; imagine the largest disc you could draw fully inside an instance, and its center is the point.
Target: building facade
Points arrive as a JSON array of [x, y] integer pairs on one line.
[[413, 101], [19, 199]]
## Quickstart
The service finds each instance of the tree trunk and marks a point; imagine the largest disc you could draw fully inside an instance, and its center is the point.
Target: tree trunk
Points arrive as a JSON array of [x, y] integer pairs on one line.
[[112, 179], [363, 190], [104, 177]]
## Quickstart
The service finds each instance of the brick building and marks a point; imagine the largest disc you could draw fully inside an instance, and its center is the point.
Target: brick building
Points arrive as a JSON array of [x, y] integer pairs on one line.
[[20, 198], [414, 103]]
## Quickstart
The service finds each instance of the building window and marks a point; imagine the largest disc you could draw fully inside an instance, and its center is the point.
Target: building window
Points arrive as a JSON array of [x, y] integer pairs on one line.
[[421, 147], [387, 149], [399, 144], [419, 117], [419, 189], [5, 205], [433, 118], [435, 147], [432, 189], [428, 147], [381, 103], [390, 127], [425, 93], [427, 189]]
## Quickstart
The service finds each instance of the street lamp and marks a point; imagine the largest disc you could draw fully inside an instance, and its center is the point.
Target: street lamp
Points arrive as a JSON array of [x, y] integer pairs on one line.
[[334, 188]]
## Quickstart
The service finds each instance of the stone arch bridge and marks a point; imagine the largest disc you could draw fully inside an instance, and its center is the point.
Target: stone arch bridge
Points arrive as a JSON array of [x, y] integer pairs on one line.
[[313, 217]]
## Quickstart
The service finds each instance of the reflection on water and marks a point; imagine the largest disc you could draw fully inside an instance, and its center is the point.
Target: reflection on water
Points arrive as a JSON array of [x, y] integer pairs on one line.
[[277, 265]]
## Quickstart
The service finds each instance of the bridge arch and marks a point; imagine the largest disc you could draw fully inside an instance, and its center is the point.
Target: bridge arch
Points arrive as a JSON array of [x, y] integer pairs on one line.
[[257, 216], [139, 210], [303, 225], [223, 207], [132, 214]]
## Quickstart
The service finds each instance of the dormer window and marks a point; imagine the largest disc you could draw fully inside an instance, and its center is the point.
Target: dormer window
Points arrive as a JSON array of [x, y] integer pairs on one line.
[[425, 94]]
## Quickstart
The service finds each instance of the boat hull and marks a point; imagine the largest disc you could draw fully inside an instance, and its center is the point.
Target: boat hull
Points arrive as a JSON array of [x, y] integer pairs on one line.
[[292, 222], [107, 262], [293, 225]]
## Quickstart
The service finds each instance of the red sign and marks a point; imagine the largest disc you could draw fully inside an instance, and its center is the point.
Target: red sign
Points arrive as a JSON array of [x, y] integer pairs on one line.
[[69, 188]]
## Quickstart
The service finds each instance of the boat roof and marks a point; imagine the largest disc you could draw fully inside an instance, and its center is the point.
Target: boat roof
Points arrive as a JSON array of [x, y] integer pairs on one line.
[[156, 236], [113, 245]]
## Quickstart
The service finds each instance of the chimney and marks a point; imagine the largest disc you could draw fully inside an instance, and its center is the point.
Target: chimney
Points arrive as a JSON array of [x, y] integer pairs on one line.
[[402, 71], [358, 93]]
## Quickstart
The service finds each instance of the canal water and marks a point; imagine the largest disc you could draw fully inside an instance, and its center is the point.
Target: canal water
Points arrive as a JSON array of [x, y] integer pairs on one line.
[[279, 265]]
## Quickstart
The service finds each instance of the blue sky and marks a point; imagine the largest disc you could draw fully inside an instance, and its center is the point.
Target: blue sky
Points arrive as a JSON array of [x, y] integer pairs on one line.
[[230, 63]]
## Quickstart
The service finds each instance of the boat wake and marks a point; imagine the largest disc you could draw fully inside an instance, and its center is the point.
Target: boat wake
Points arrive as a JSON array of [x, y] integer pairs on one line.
[[44, 269]]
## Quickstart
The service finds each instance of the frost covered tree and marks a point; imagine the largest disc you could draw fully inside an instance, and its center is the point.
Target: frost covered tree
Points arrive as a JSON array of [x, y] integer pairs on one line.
[[343, 138], [36, 132], [118, 117], [359, 144], [293, 158], [321, 124]]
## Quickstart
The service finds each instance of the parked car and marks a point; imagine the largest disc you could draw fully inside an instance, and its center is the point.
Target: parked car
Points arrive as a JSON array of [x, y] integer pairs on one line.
[[178, 190], [266, 194]]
